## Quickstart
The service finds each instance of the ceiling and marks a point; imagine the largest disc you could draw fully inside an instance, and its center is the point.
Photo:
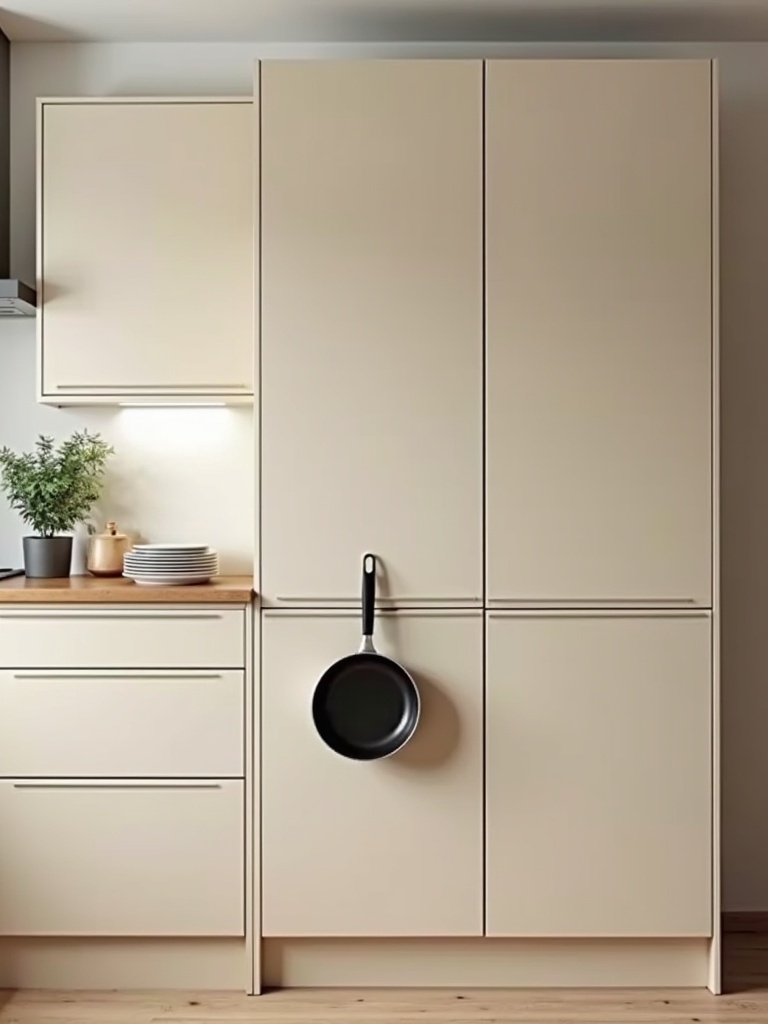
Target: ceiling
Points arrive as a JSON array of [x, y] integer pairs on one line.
[[382, 20]]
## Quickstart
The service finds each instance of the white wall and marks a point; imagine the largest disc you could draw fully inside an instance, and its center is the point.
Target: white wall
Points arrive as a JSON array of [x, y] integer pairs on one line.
[[153, 483]]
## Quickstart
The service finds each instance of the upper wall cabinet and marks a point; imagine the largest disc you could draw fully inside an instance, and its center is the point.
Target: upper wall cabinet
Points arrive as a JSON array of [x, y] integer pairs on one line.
[[146, 243], [371, 354], [599, 331]]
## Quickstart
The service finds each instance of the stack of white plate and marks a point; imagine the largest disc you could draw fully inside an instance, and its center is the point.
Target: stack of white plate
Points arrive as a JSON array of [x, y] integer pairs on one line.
[[170, 565]]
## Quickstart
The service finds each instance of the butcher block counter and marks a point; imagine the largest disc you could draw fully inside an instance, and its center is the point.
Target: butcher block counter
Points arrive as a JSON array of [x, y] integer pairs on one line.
[[117, 590]]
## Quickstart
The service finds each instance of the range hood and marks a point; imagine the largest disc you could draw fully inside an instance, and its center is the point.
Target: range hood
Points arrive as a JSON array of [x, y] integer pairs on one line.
[[16, 298]]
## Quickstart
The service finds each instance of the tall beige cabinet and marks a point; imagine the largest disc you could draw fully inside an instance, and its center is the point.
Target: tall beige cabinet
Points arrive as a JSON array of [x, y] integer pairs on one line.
[[371, 420], [599, 496], [489, 355]]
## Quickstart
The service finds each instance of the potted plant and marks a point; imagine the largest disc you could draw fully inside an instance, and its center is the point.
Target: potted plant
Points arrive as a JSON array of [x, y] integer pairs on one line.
[[53, 489]]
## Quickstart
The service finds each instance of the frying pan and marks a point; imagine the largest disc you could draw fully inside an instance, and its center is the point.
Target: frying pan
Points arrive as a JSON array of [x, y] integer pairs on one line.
[[366, 706]]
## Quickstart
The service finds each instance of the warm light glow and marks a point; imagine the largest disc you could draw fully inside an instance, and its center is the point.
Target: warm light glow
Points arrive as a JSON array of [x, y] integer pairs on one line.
[[176, 405], [176, 429]]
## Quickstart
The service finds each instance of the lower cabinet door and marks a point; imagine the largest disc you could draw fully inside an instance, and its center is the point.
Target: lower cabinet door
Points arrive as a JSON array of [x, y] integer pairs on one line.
[[379, 848], [121, 858], [599, 775]]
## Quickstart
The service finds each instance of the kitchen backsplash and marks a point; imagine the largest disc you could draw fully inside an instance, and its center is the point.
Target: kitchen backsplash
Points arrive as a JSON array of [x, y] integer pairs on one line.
[[184, 474]]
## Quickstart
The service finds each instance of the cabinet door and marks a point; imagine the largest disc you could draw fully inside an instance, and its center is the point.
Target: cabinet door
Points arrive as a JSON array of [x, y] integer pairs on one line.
[[599, 782], [146, 248], [122, 858], [380, 848], [599, 331], [371, 328]]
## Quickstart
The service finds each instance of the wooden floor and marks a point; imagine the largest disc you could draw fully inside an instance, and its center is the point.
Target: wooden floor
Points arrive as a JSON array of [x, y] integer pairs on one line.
[[746, 1003]]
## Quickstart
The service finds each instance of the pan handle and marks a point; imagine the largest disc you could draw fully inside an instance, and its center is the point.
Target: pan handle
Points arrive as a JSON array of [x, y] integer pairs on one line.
[[369, 596]]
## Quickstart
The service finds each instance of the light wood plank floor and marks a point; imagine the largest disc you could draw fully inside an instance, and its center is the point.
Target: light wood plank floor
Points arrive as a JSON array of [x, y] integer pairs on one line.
[[746, 1003]]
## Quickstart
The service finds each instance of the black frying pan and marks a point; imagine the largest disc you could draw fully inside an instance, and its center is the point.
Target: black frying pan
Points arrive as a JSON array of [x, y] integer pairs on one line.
[[366, 706]]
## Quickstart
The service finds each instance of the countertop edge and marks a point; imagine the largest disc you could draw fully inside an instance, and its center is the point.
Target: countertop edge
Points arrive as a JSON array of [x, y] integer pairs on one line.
[[235, 590]]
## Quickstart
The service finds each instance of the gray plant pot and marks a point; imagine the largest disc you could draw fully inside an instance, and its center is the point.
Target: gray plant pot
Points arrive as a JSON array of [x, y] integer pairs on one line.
[[47, 557]]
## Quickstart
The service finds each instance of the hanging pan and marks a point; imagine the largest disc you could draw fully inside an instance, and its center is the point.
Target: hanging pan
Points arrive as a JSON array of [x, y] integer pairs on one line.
[[366, 706]]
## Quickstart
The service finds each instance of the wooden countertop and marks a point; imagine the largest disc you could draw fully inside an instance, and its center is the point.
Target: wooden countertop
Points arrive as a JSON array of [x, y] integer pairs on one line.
[[117, 590]]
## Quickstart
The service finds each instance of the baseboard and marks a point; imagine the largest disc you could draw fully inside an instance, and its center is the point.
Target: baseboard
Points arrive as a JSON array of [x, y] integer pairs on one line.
[[98, 963], [485, 963], [755, 921]]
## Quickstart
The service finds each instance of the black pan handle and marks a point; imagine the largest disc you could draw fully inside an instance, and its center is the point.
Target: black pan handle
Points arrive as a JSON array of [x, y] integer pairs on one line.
[[369, 593]]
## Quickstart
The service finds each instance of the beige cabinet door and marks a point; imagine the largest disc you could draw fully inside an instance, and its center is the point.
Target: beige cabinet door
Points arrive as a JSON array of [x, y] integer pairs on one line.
[[111, 857], [371, 328], [599, 783], [146, 248], [381, 848], [599, 331]]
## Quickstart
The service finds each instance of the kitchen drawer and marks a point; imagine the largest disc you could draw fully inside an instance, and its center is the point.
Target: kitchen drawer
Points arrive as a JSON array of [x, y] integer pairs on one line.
[[114, 724], [122, 638], [116, 858]]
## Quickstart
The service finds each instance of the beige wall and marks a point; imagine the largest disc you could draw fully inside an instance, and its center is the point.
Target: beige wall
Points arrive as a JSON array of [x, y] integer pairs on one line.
[[153, 484]]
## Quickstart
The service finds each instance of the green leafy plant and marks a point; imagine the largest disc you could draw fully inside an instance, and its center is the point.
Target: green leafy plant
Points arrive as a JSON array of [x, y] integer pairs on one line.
[[54, 488]]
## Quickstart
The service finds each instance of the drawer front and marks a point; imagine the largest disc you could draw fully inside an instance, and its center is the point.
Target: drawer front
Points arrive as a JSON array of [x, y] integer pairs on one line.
[[122, 859], [99, 638], [111, 725]]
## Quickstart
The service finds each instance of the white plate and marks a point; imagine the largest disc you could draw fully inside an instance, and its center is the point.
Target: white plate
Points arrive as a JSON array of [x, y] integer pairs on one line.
[[140, 573], [171, 568], [134, 574], [167, 570], [164, 570], [142, 563], [198, 570], [169, 581], [170, 558], [170, 547]]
